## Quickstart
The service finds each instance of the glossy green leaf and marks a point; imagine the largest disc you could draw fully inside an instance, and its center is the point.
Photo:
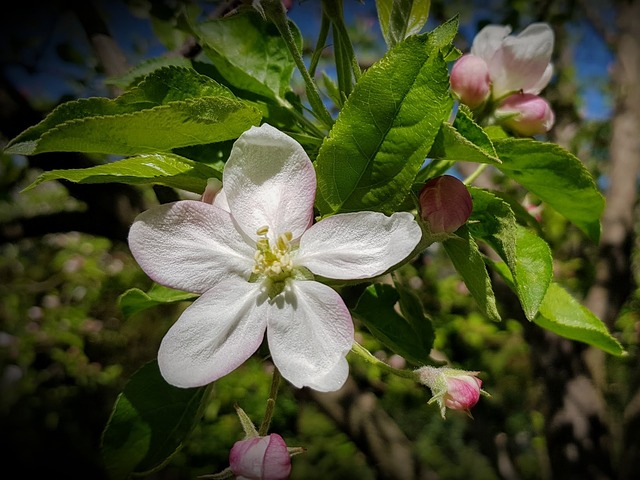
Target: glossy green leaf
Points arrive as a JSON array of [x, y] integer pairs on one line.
[[534, 270], [159, 169], [172, 107], [249, 53], [527, 256], [401, 18], [375, 309], [135, 300], [493, 221], [149, 423], [557, 177], [463, 141], [561, 313], [384, 131], [469, 263]]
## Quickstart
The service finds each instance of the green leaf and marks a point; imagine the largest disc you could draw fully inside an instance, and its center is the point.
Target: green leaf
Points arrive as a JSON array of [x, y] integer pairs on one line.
[[149, 423], [557, 177], [493, 221], [138, 72], [384, 131], [534, 270], [172, 107], [375, 309], [249, 53], [527, 256], [401, 18], [135, 300], [413, 311], [463, 141], [160, 169], [468, 261], [562, 314]]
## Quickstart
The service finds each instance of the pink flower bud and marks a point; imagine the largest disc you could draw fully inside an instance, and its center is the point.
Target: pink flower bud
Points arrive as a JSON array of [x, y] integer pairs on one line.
[[470, 80], [260, 458], [445, 204], [526, 114], [463, 392], [451, 388]]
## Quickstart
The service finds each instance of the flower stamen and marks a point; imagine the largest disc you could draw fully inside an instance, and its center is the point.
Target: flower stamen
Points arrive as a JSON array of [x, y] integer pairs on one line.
[[273, 261]]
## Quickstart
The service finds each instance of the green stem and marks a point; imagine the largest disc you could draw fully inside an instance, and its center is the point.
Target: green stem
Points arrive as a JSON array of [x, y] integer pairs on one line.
[[471, 178], [277, 14], [368, 357], [271, 403]]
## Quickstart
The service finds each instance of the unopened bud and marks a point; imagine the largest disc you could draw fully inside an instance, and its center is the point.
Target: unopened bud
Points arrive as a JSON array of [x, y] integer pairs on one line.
[[451, 388], [470, 80], [261, 458], [445, 204], [526, 114]]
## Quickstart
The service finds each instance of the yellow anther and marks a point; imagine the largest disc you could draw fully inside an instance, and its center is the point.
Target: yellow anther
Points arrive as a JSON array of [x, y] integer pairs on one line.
[[273, 260]]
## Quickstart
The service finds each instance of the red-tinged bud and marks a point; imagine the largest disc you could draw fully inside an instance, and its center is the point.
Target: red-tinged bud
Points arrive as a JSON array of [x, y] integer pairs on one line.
[[445, 204], [526, 114], [451, 388], [261, 458], [470, 80]]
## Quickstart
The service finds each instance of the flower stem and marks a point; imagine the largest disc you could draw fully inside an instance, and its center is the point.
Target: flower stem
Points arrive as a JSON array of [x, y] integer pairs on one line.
[[271, 403], [471, 178], [368, 357]]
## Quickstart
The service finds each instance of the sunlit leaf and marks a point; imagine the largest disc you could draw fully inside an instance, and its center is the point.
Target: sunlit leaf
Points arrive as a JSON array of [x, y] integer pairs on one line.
[[384, 131], [159, 169], [557, 177], [563, 315], [249, 53], [135, 300], [172, 107], [527, 255], [401, 18], [463, 141]]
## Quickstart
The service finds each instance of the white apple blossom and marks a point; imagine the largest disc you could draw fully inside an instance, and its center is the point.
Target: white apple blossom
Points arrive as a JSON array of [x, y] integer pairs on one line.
[[253, 256], [519, 63]]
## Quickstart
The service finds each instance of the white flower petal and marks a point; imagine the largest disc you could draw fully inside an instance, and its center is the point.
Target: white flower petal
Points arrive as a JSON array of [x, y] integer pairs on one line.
[[544, 80], [358, 245], [220, 201], [189, 245], [214, 335], [310, 333], [522, 61], [488, 40], [269, 180]]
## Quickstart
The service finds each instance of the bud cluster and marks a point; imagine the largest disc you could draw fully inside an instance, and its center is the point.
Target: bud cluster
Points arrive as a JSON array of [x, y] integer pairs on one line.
[[505, 74]]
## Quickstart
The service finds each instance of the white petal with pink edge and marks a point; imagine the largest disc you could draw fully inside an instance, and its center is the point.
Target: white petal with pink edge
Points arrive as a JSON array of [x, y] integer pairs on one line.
[[310, 332], [358, 245], [189, 245], [215, 334], [270, 181]]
